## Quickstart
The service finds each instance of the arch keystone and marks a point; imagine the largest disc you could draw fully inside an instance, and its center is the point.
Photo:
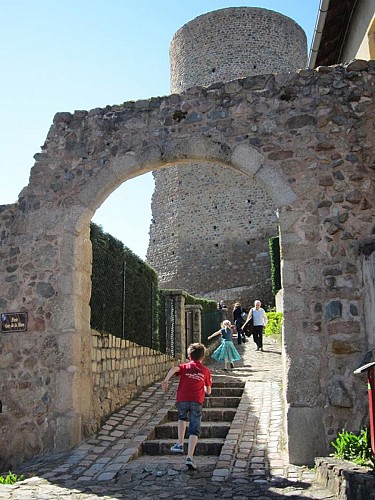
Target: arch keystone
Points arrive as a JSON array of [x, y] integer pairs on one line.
[[196, 148]]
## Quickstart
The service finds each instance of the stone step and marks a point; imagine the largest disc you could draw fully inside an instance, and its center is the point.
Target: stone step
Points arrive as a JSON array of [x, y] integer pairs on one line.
[[235, 384], [207, 446], [221, 402], [226, 392], [168, 430], [209, 415], [219, 410]]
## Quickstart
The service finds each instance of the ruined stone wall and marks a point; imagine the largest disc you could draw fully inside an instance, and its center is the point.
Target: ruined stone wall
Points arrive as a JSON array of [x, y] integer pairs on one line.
[[307, 138], [210, 230]]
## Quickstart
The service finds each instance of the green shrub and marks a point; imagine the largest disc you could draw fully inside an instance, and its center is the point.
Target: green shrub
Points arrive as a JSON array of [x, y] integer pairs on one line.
[[207, 304], [274, 249], [274, 323], [354, 447], [11, 478]]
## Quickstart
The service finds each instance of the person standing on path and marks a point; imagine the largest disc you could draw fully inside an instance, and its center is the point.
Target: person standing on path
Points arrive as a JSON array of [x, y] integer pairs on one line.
[[195, 381], [239, 318], [226, 351], [260, 321]]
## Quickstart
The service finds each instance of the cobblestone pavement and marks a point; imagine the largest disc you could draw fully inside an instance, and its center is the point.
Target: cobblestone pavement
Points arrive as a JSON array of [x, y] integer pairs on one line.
[[252, 463]]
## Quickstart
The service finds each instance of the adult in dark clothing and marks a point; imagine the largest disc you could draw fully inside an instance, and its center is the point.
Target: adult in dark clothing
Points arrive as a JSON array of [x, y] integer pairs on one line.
[[239, 317]]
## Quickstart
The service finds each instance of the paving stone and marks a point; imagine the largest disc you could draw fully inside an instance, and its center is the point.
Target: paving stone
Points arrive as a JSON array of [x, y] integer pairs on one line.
[[110, 466]]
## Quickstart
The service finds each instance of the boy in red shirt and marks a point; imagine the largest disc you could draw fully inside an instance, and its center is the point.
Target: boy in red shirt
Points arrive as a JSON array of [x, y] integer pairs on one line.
[[195, 381]]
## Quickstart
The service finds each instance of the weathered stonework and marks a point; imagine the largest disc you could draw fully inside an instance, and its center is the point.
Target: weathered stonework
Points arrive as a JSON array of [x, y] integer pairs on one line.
[[345, 479], [317, 165], [232, 43], [210, 230], [119, 370], [212, 240]]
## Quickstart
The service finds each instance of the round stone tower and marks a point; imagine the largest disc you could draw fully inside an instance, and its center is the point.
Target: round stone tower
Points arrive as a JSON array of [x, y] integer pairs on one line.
[[210, 241], [233, 43]]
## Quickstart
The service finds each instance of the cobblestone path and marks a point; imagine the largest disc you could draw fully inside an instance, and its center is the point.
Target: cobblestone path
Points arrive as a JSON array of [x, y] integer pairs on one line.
[[253, 462]]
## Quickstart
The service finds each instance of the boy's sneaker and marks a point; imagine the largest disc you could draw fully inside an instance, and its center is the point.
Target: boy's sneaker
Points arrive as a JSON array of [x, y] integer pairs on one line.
[[177, 448], [190, 464]]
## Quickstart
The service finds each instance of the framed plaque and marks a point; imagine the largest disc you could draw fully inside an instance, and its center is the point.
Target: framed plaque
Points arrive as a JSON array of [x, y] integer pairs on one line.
[[13, 322]]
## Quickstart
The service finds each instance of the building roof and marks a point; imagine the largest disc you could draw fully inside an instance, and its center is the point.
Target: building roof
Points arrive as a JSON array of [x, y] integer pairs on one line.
[[330, 31]]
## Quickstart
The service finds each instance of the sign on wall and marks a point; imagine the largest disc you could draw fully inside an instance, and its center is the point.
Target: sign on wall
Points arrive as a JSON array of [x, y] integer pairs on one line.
[[14, 322]]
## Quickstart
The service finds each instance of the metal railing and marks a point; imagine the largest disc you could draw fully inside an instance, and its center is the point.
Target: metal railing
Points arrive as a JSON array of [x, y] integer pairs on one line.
[[167, 325], [123, 300], [211, 323]]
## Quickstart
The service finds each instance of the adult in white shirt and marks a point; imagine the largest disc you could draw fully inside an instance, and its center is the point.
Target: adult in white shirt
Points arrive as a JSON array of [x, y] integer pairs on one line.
[[259, 320]]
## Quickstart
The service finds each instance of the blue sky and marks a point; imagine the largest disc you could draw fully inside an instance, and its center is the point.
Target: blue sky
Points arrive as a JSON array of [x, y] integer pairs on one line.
[[65, 55]]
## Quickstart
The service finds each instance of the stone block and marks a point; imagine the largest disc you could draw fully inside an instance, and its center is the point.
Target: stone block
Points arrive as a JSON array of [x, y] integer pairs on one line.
[[68, 431], [306, 439], [281, 192], [344, 327], [342, 347], [303, 385]]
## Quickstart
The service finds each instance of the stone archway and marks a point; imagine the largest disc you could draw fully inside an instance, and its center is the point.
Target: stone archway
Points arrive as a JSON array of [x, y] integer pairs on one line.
[[313, 153]]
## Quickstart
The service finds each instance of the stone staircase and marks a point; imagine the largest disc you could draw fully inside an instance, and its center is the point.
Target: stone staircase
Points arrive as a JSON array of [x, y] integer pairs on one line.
[[219, 410]]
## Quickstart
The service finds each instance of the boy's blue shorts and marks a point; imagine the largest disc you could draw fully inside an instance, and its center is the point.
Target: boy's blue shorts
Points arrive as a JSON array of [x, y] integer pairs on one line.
[[192, 412]]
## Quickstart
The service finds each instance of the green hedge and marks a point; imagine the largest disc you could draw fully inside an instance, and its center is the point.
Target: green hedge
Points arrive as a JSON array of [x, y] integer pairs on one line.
[[274, 324], [125, 296], [207, 305], [274, 249], [191, 300]]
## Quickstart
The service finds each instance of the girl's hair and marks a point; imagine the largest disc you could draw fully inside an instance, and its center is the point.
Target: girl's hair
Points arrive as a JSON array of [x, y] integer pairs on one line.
[[226, 324]]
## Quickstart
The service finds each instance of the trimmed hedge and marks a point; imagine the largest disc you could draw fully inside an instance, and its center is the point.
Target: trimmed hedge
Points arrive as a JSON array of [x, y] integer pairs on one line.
[[274, 249], [125, 295], [125, 298], [207, 305]]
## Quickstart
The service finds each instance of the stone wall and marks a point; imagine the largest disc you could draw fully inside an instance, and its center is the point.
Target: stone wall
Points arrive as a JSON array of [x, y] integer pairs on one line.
[[306, 137], [345, 479], [120, 369]]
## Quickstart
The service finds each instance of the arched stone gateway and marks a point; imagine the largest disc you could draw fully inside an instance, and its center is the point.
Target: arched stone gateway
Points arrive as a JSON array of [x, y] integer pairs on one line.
[[307, 137]]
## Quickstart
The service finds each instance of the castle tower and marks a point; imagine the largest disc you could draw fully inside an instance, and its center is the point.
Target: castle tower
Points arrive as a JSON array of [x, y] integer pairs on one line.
[[234, 43], [209, 236]]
